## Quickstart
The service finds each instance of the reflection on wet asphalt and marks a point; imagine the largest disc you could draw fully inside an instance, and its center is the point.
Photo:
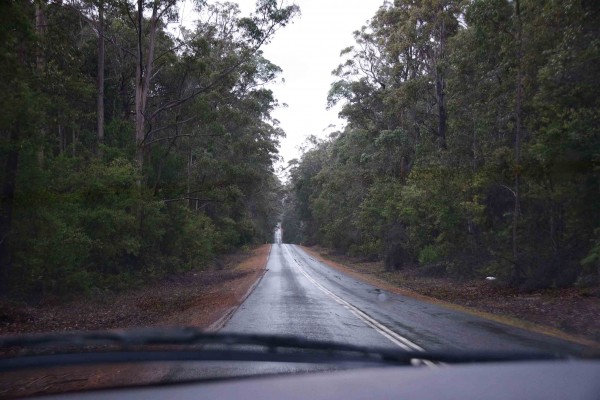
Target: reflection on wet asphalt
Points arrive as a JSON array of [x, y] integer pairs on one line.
[[301, 296]]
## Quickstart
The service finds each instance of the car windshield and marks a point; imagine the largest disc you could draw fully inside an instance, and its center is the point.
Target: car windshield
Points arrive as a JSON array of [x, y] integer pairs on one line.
[[196, 189]]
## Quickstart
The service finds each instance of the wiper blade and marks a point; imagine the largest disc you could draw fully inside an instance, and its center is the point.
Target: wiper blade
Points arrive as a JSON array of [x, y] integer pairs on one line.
[[190, 344], [165, 336]]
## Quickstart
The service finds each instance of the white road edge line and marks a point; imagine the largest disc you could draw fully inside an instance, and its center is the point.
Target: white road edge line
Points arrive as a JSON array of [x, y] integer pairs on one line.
[[395, 338]]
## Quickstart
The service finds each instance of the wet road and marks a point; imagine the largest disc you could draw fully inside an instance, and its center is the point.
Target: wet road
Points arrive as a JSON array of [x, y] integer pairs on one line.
[[302, 296], [299, 295]]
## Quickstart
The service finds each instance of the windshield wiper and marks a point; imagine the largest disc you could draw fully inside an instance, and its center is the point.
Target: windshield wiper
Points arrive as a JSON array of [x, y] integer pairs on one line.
[[190, 344]]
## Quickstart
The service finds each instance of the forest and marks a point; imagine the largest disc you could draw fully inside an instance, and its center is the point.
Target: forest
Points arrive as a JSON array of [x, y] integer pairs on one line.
[[472, 144], [132, 146]]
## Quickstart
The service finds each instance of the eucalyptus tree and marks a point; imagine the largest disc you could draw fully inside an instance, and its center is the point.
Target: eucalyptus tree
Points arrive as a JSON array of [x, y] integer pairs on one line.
[[470, 125], [72, 218], [246, 35]]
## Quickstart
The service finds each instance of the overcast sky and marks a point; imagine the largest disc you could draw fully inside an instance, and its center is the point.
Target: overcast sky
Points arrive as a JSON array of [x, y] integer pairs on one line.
[[308, 50]]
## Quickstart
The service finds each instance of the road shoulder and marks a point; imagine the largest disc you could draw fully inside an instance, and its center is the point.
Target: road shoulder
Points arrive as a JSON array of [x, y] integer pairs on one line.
[[197, 298], [541, 312]]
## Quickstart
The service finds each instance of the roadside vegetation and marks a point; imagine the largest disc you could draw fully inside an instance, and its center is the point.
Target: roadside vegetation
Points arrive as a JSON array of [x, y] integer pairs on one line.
[[131, 149], [472, 147], [195, 298], [199, 298]]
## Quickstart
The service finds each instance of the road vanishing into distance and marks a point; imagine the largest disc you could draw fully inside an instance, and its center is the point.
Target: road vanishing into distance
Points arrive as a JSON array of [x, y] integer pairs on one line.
[[301, 296]]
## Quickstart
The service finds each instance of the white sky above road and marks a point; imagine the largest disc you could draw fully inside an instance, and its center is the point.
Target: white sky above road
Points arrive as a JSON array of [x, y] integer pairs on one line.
[[308, 50]]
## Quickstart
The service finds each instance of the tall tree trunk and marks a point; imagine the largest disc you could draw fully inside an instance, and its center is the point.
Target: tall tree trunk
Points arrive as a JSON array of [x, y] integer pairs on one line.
[[40, 28], [40, 62], [189, 173], [518, 127], [6, 208], [441, 106], [139, 89], [100, 80], [440, 89], [61, 139], [143, 76]]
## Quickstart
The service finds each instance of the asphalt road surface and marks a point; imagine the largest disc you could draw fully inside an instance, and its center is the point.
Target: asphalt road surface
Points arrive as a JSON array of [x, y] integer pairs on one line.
[[301, 296]]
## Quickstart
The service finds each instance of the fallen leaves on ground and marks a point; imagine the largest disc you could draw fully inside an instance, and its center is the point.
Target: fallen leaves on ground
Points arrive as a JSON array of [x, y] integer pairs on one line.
[[195, 298]]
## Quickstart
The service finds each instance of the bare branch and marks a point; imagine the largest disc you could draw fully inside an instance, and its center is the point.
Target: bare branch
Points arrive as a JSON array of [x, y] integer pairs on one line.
[[180, 135], [507, 188], [191, 198], [220, 77]]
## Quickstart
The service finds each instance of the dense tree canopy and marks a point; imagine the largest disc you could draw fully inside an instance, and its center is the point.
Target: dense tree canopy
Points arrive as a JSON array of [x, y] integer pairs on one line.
[[127, 150], [472, 145]]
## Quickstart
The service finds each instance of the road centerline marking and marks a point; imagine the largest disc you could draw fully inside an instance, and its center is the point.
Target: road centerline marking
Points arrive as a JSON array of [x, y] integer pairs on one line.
[[394, 337]]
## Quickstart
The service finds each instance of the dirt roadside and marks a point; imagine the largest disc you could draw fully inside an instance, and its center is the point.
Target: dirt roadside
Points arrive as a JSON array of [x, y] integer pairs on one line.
[[197, 298], [571, 313]]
